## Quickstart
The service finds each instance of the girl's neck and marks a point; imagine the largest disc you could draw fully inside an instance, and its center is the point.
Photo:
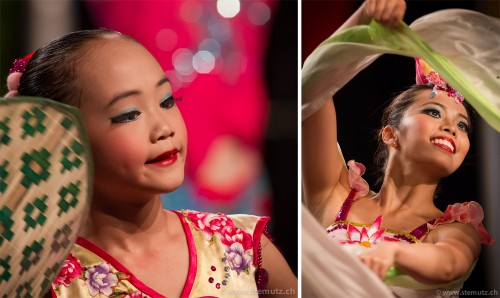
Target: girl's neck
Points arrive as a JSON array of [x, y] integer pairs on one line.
[[125, 224], [403, 188]]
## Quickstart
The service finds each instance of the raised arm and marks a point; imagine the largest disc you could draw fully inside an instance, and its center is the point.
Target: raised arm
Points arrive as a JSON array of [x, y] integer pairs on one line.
[[322, 165]]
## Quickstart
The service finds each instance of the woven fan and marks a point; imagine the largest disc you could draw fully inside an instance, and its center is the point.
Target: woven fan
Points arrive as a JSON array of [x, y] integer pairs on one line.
[[45, 191]]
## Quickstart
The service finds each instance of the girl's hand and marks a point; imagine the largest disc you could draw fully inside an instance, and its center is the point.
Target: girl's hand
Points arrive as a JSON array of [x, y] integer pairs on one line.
[[381, 257], [387, 12]]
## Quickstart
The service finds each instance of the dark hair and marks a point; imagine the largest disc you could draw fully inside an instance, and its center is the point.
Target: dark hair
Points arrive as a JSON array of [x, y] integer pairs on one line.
[[52, 70], [392, 116]]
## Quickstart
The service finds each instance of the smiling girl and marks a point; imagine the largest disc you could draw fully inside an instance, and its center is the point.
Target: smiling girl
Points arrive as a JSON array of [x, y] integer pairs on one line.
[[424, 137], [130, 246]]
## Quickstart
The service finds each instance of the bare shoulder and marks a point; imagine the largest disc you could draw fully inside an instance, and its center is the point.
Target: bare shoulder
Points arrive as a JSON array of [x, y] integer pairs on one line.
[[457, 235]]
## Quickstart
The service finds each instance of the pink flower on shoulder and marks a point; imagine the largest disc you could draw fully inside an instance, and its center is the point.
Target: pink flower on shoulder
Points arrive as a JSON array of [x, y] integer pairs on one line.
[[469, 213], [71, 269], [208, 222], [231, 234], [356, 170]]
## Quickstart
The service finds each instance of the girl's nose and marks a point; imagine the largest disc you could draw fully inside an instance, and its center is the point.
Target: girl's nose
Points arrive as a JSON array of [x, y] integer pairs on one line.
[[161, 129]]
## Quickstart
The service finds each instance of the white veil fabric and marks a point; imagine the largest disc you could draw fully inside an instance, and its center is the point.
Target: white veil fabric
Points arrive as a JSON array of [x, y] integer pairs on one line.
[[463, 50], [329, 271]]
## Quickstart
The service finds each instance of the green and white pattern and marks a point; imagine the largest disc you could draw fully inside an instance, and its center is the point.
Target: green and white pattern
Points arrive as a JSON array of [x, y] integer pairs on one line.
[[45, 191]]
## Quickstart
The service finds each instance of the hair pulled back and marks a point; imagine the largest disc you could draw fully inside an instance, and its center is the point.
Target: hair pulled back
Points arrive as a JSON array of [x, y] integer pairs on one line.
[[52, 70], [393, 114]]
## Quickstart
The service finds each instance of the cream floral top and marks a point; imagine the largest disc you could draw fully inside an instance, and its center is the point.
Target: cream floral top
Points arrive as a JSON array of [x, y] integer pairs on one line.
[[224, 260]]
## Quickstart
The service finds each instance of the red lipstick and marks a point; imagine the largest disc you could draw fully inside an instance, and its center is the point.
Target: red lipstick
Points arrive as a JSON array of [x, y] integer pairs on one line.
[[444, 143], [164, 159]]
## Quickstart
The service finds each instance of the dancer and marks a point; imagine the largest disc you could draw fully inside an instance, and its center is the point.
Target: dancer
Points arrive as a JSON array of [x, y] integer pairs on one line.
[[130, 246], [424, 137]]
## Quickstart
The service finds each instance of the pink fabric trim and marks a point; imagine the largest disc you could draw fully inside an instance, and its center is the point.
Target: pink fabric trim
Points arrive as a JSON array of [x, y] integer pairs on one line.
[[469, 213], [118, 266], [356, 170], [193, 258], [257, 234], [188, 286]]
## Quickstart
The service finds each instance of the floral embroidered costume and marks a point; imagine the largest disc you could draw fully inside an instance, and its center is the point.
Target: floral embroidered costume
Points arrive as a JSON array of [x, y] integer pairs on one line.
[[356, 238], [224, 260]]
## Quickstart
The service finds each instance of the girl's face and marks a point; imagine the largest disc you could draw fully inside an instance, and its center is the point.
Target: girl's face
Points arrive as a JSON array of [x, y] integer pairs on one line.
[[137, 133], [435, 132]]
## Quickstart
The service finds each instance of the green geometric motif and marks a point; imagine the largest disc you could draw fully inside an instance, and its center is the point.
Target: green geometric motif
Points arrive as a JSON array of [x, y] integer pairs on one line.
[[31, 220], [67, 164], [4, 129], [31, 254], [42, 159], [73, 190], [31, 127], [66, 123], [50, 274], [6, 222], [24, 290], [4, 263], [61, 238], [3, 175]]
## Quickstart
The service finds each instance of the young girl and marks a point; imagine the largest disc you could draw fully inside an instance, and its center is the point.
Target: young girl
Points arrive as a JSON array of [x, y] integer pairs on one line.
[[130, 246], [424, 137]]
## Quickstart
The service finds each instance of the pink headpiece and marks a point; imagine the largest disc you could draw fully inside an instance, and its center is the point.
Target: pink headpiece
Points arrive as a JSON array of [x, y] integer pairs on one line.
[[426, 75], [15, 73]]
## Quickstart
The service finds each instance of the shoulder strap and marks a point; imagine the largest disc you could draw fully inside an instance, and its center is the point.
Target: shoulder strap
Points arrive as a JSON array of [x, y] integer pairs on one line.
[[422, 229], [344, 210]]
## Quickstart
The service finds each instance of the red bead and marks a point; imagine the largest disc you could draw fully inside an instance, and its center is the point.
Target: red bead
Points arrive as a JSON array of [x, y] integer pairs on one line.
[[211, 280], [217, 285], [213, 268]]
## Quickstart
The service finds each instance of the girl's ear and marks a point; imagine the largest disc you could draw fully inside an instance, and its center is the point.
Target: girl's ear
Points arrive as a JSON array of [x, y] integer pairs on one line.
[[389, 136]]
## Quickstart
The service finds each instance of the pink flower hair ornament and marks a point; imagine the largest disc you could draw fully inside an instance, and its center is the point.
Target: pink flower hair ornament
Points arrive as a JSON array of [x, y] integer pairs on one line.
[[426, 75], [15, 73]]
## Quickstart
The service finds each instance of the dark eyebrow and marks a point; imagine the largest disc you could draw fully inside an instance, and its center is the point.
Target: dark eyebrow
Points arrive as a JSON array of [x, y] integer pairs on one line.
[[444, 108], [128, 93]]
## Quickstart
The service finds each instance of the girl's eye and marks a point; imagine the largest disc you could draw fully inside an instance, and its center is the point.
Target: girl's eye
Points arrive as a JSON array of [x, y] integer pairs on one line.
[[433, 112], [168, 102], [463, 126], [126, 117]]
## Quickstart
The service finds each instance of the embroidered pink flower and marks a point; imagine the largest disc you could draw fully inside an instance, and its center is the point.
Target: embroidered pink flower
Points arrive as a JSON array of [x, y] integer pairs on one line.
[[237, 258], [364, 237], [231, 234], [209, 223], [357, 183], [470, 213], [71, 269], [100, 279]]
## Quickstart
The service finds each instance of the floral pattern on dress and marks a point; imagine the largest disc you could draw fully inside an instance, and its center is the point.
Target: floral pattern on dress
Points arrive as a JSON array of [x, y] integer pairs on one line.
[[237, 243], [71, 269], [99, 279]]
